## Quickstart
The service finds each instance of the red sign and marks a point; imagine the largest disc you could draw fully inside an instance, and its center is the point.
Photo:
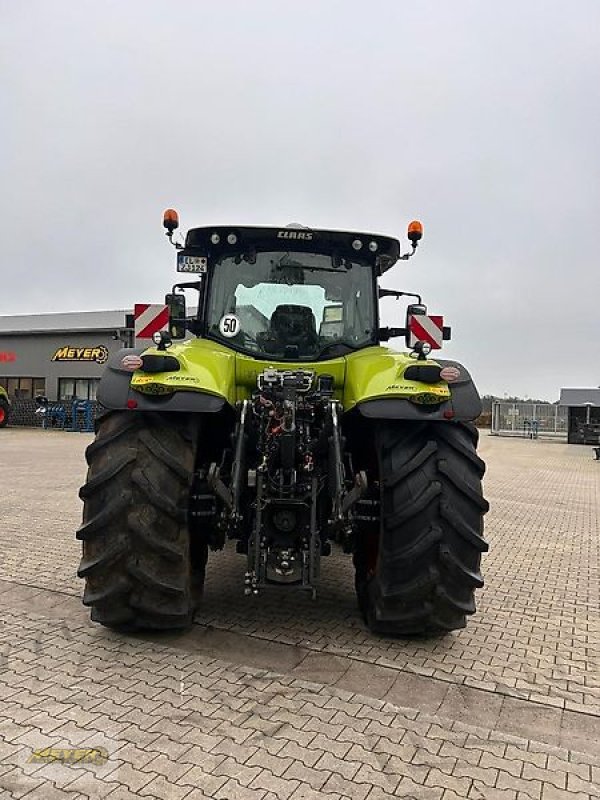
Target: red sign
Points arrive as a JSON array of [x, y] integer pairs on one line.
[[6, 357], [149, 319], [426, 328]]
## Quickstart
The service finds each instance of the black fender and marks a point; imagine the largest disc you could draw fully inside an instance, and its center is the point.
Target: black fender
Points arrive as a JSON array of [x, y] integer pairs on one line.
[[114, 391], [464, 404]]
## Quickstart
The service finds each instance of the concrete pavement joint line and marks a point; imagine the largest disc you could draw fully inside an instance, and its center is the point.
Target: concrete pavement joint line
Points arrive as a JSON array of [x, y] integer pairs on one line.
[[299, 739], [39, 588], [402, 670], [323, 677], [329, 659], [512, 715]]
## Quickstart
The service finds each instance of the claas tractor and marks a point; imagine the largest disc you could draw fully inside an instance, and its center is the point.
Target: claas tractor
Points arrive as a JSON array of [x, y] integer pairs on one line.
[[275, 416]]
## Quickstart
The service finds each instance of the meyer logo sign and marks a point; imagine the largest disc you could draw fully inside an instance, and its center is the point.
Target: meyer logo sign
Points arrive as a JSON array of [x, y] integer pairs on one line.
[[98, 354]]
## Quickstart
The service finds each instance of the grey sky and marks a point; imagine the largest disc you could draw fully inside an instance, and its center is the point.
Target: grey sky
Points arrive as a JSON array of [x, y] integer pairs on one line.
[[481, 119]]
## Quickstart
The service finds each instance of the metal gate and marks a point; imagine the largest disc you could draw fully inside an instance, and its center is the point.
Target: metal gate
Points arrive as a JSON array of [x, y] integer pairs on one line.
[[529, 420]]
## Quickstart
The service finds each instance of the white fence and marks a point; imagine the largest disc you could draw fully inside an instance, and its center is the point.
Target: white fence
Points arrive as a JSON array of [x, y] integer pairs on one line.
[[529, 420]]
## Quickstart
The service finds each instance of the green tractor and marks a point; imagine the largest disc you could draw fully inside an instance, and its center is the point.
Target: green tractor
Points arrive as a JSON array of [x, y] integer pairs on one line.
[[274, 416], [4, 407]]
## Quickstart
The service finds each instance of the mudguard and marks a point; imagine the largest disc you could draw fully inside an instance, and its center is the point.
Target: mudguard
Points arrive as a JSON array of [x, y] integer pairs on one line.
[[115, 390], [376, 387]]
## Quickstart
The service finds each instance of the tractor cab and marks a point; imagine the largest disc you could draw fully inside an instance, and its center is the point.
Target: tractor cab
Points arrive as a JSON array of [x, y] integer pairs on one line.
[[290, 294]]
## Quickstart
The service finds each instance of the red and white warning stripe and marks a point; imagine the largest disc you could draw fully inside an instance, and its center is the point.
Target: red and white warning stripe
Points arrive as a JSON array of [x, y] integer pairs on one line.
[[149, 319], [426, 328]]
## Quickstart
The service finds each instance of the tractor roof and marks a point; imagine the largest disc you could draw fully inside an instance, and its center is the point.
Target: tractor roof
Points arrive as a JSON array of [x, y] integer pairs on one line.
[[378, 251]]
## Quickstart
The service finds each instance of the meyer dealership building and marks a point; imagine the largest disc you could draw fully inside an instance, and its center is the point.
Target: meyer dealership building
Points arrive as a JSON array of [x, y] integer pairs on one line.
[[59, 356]]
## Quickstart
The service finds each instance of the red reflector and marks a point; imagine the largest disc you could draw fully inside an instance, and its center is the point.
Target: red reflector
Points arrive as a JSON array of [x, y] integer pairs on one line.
[[448, 414], [131, 363], [450, 374], [131, 404]]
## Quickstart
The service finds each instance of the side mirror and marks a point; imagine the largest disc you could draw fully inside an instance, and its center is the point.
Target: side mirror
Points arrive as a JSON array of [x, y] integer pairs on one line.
[[177, 314]]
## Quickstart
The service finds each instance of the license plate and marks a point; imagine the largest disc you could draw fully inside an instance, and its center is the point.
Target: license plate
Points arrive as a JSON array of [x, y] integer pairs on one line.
[[196, 264]]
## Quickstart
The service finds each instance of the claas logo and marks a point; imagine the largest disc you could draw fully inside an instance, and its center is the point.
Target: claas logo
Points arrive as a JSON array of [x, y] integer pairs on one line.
[[98, 354]]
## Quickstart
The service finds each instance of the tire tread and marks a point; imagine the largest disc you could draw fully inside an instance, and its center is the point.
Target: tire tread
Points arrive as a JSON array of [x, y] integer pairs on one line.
[[431, 531], [135, 535]]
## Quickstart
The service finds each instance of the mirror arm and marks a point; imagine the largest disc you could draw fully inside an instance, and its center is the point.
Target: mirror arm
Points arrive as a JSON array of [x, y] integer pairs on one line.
[[397, 295], [406, 256], [384, 334], [193, 285]]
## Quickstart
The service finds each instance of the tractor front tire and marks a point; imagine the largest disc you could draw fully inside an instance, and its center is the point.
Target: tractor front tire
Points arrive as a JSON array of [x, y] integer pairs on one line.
[[4, 408], [417, 575], [136, 560]]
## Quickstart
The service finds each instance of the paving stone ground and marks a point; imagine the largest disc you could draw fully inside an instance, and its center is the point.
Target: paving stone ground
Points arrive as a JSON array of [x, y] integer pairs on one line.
[[279, 696]]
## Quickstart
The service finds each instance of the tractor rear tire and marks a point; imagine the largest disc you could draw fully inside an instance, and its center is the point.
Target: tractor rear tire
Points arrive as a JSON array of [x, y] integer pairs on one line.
[[418, 573], [4, 408], [137, 559]]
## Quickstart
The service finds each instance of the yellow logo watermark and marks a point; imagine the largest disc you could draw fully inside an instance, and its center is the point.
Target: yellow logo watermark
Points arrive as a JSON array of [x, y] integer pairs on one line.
[[69, 755]]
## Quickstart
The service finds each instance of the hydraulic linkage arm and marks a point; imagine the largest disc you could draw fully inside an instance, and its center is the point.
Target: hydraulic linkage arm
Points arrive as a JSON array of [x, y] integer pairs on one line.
[[230, 496], [343, 499]]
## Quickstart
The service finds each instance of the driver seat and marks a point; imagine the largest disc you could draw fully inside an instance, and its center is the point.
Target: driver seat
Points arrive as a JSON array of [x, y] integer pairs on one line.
[[293, 325]]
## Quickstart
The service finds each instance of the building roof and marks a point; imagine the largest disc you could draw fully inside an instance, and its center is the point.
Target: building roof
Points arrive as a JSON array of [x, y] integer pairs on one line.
[[70, 322], [579, 397]]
